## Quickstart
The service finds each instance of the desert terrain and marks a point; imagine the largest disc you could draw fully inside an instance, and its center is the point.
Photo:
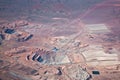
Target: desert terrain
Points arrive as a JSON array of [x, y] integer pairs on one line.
[[59, 39]]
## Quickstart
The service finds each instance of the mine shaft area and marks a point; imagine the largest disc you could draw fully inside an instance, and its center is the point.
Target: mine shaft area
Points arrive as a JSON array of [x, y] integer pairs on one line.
[[59, 39]]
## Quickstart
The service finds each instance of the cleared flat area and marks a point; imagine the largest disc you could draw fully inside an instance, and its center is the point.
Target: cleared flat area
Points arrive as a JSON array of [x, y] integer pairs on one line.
[[97, 28]]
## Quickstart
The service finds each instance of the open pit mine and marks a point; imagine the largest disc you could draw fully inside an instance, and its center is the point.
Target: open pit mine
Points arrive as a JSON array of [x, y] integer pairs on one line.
[[59, 39]]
